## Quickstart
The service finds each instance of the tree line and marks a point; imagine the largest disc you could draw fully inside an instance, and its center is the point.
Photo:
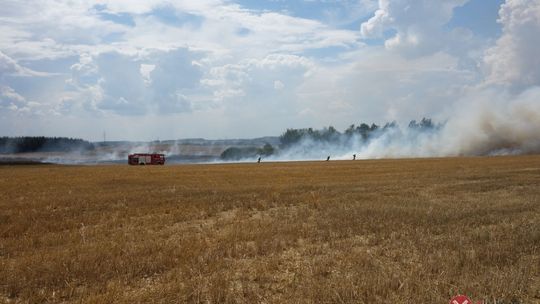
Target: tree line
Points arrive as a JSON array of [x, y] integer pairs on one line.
[[330, 135], [237, 153], [363, 132], [42, 144]]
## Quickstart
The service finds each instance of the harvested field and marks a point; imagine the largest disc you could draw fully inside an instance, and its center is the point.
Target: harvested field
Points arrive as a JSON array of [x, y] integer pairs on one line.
[[382, 231]]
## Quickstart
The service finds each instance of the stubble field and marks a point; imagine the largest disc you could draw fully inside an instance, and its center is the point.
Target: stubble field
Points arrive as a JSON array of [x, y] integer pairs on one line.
[[385, 231]]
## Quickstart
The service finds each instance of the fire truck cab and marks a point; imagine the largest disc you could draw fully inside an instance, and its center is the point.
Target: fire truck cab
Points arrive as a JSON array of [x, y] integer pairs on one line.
[[146, 159]]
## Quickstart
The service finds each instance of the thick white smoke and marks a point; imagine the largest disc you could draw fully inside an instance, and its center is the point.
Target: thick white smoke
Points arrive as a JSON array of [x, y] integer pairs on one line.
[[496, 123], [487, 122], [501, 115]]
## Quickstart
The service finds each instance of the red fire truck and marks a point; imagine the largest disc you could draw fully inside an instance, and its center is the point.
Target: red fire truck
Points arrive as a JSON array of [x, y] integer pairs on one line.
[[146, 159]]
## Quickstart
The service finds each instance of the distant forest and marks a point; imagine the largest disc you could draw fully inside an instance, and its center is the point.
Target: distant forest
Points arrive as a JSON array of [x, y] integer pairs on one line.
[[42, 144], [363, 132], [291, 137]]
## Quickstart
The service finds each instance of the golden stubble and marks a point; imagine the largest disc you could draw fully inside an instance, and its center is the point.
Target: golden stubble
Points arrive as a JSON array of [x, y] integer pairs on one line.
[[382, 231]]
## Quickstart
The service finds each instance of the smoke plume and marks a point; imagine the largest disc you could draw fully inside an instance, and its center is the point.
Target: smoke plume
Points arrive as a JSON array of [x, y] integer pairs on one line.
[[500, 115]]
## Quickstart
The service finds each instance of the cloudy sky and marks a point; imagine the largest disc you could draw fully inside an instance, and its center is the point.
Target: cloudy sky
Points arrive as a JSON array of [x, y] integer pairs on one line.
[[143, 70]]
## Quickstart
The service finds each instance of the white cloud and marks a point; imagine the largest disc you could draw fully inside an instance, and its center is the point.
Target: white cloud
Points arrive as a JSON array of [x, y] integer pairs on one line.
[[9, 66], [278, 85], [349, 11], [145, 71], [514, 61], [254, 79], [418, 25], [13, 102], [52, 29], [11, 99], [173, 79], [249, 72], [156, 82], [129, 6], [383, 86], [260, 91]]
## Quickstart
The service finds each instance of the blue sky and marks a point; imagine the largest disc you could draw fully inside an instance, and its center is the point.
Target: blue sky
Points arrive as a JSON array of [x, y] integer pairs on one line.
[[140, 70], [480, 16]]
